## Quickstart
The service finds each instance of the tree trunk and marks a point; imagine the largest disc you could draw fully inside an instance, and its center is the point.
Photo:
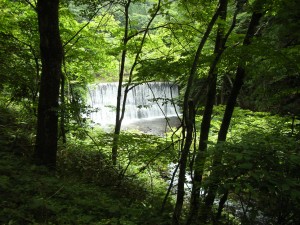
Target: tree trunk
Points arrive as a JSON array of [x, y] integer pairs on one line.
[[206, 120], [188, 121], [51, 56], [114, 152], [221, 207], [121, 110], [240, 74]]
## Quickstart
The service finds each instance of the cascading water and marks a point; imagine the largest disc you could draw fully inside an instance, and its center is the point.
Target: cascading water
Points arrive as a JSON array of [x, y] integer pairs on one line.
[[145, 101]]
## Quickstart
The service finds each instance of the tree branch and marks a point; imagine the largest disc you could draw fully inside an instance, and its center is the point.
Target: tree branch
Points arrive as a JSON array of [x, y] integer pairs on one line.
[[85, 25], [33, 6]]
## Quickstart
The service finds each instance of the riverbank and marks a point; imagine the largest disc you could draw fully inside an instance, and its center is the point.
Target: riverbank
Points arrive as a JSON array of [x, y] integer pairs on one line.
[[156, 126]]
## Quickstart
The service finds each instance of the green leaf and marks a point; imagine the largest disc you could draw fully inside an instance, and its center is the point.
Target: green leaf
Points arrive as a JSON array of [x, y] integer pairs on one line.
[[246, 166]]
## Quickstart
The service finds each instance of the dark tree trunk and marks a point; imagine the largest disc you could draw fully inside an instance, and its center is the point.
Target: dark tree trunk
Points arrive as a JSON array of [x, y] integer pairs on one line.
[[183, 162], [188, 121], [120, 111], [51, 56], [114, 152], [63, 110], [206, 120], [240, 74], [221, 207]]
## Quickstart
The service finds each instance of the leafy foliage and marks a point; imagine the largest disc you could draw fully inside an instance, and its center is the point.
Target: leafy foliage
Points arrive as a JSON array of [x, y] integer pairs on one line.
[[19, 54], [84, 190], [259, 168], [260, 160]]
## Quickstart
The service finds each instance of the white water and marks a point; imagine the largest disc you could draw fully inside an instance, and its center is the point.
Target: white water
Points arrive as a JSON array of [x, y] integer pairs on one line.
[[145, 101]]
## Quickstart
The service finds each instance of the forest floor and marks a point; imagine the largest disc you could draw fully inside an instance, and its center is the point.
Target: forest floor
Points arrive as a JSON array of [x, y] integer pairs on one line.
[[30, 194]]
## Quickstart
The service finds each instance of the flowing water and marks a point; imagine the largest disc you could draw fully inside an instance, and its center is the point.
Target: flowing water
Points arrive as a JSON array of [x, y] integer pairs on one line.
[[145, 101], [146, 107]]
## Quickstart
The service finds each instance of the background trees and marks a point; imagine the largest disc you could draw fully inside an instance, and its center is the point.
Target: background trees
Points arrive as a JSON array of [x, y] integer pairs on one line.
[[212, 50], [20, 56]]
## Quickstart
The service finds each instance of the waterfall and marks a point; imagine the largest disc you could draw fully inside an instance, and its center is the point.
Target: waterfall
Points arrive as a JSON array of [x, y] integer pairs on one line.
[[144, 101]]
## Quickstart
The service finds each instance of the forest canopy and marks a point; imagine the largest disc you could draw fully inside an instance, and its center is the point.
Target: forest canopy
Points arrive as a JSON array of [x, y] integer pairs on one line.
[[232, 158]]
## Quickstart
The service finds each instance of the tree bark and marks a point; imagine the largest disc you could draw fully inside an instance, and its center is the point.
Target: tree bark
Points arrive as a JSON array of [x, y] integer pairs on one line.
[[206, 120], [239, 79], [121, 103], [188, 121], [221, 207], [51, 57], [118, 123]]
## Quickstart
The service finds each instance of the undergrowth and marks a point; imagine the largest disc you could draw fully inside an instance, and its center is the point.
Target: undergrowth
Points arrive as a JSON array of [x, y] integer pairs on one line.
[[260, 164], [85, 189]]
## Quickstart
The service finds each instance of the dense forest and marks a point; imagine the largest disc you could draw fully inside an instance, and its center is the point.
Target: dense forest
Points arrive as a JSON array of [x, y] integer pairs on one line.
[[234, 156]]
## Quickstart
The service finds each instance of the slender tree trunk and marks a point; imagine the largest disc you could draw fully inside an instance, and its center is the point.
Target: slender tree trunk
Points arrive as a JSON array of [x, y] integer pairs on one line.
[[121, 103], [119, 96], [188, 121], [205, 125], [51, 56], [240, 74], [189, 127], [221, 207], [118, 122]]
